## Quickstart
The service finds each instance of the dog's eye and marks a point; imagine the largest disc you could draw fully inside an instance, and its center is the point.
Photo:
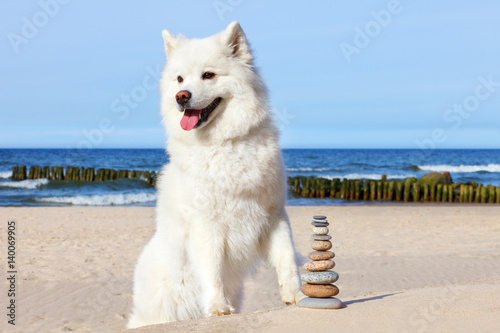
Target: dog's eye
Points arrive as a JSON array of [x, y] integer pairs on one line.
[[207, 75], [180, 79]]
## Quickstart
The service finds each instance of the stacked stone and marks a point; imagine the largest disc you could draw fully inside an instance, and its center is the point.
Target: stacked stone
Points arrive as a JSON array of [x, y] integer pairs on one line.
[[319, 278]]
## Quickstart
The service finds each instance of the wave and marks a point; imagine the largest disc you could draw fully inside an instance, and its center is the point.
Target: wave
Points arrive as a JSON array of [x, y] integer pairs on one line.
[[29, 184], [311, 169], [461, 168], [101, 200], [372, 176], [5, 174]]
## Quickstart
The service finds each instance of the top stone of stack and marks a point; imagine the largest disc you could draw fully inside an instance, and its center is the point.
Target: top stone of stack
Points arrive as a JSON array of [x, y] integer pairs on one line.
[[319, 221]]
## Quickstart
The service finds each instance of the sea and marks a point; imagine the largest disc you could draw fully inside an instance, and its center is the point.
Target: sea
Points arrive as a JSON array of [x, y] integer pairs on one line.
[[479, 165]]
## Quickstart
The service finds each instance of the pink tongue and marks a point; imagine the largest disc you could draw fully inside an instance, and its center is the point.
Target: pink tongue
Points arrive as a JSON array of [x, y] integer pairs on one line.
[[190, 119]]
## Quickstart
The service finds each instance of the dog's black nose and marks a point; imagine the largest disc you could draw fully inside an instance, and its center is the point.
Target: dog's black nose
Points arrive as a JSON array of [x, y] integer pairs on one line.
[[182, 97]]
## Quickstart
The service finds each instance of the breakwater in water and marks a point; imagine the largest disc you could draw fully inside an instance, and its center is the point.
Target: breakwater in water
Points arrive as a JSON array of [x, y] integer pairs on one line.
[[433, 187], [21, 172]]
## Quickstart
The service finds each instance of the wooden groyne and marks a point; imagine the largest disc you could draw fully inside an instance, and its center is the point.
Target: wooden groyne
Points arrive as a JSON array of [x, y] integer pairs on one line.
[[433, 187], [21, 172]]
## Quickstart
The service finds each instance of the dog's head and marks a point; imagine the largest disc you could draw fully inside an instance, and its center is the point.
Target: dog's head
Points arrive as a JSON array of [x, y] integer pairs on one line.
[[209, 87]]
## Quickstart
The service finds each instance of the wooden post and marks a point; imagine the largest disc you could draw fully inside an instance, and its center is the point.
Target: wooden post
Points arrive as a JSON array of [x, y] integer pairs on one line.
[[70, 173], [444, 197], [22, 173], [305, 188], [15, 171], [38, 172], [497, 194], [31, 174], [312, 184], [484, 194], [154, 179], [472, 193], [479, 190], [491, 194], [380, 190], [416, 192], [342, 188], [321, 188], [406, 194], [385, 189], [334, 187], [432, 188], [439, 192], [451, 193], [366, 190], [425, 196], [465, 193], [296, 183], [399, 190], [91, 174], [357, 189], [351, 189], [46, 172], [373, 190], [53, 173], [390, 191]]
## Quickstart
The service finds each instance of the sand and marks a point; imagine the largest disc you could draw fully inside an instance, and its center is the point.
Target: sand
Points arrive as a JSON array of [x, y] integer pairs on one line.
[[403, 268]]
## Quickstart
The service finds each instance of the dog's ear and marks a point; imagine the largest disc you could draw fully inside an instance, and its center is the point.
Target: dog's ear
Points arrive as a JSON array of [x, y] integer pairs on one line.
[[235, 39], [169, 40]]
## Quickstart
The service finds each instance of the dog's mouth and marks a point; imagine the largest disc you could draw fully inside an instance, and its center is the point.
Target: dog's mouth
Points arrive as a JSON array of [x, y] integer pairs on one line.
[[194, 118]]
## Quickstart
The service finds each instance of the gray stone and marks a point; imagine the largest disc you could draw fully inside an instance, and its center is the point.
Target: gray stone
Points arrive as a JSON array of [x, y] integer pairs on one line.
[[318, 224], [319, 217], [325, 277], [320, 303], [321, 237]]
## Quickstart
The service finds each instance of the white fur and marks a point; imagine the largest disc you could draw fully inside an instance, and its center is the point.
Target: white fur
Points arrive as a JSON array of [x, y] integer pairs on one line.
[[221, 199]]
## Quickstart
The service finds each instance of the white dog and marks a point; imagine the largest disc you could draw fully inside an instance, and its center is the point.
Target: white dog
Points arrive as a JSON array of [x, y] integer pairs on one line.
[[221, 198]]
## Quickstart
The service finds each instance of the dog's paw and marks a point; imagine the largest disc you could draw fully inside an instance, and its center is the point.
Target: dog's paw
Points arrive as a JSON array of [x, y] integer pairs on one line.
[[297, 297], [290, 295], [220, 310]]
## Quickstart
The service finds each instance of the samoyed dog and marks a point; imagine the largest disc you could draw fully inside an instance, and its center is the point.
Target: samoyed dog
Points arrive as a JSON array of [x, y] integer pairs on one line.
[[221, 199]]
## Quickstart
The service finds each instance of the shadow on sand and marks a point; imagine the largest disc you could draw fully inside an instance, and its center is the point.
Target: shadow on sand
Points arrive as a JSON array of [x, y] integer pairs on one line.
[[362, 300]]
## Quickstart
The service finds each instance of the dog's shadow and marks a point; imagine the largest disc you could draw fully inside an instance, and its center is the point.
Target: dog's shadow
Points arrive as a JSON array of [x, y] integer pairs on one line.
[[301, 260]]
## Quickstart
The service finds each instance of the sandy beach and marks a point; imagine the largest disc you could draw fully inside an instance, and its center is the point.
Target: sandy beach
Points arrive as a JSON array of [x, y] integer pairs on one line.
[[403, 268]]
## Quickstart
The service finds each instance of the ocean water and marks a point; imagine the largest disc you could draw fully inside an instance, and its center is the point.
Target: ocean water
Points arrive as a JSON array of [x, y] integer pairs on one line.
[[482, 166]]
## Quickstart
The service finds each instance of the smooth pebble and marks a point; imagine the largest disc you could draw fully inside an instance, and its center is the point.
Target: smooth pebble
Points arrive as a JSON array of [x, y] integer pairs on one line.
[[320, 230], [320, 303], [319, 265], [319, 290], [321, 237], [319, 217], [321, 255], [325, 277], [321, 245], [320, 224]]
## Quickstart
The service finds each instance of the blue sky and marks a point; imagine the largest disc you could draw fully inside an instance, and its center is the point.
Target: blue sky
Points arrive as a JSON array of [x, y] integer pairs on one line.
[[383, 74]]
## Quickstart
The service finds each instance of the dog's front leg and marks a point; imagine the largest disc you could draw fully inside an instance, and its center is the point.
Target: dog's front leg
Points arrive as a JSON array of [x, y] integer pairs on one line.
[[281, 254], [207, 258]]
